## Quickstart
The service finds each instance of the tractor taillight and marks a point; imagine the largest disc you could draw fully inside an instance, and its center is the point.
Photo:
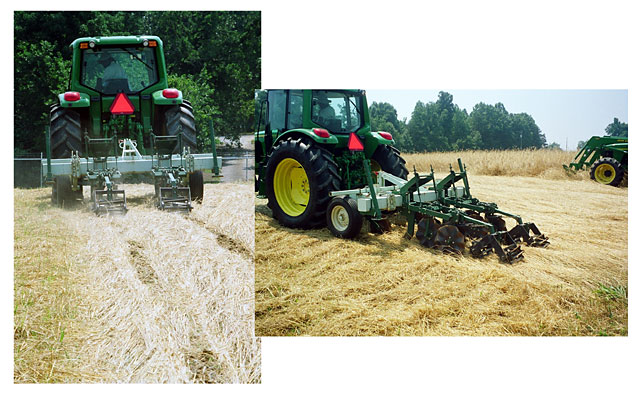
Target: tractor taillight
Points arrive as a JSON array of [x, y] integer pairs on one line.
[[72, 96], [322, 133], [385, 135], [170, 93]]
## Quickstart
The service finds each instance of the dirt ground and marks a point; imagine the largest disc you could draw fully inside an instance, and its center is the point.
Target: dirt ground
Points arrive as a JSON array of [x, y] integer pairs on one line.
[[149, 297], [311, 283]]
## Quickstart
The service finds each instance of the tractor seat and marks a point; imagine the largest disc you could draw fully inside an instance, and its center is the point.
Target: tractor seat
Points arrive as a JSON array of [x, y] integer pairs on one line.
[[115, 85]]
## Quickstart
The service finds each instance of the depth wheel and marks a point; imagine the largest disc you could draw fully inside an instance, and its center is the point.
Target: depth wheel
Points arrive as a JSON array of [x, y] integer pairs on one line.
[[343, 218], [299, 177], [196, 185], [607, 171], [65, 197]]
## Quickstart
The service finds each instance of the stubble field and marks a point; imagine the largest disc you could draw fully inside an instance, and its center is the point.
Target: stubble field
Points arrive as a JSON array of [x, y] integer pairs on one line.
[[148, 297], [311, 283]]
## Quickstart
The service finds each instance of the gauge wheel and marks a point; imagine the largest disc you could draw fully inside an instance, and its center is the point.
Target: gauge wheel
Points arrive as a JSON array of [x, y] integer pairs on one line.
[[343, 218]]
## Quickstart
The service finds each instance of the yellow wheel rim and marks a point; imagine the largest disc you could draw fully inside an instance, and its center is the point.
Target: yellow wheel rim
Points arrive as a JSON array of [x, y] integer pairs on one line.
[[291, 187], [605, 173]]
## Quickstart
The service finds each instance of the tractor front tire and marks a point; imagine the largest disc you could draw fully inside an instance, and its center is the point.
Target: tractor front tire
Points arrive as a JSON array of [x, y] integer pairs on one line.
[[196, 185], [607, 171], [390, 161], [178, 119], [299, 177], [65, 132], [343, 218]]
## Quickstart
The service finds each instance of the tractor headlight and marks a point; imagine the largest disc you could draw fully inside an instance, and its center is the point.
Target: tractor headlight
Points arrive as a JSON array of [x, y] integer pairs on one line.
[[145, 43], [92, 44]]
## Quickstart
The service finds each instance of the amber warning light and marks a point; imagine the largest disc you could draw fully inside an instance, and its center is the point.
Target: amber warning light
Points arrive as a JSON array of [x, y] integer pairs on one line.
[[121, 105], [354, 143]]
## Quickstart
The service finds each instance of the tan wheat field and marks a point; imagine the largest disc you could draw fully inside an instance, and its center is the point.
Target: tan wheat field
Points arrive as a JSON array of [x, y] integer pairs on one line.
[[311, 283], [149, 297]]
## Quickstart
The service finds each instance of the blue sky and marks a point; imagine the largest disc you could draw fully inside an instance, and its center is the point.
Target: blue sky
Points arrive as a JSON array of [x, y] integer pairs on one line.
[[562, 115]]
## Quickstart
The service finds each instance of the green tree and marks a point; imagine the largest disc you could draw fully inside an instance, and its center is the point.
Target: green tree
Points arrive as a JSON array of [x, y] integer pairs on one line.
[[213, 57], [384, 117], [617, 129]]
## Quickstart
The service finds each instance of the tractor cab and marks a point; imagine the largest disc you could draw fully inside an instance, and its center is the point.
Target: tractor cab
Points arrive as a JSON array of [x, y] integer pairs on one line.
[[119, 69], [337, 111]]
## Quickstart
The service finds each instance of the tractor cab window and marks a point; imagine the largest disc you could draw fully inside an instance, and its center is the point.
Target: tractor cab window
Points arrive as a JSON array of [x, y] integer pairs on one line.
[[277, 107], [111, 70], [337, 111], [294, 119]]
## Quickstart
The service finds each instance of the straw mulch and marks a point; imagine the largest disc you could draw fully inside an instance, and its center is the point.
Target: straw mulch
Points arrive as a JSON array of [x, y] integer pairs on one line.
[[157, 296], [311, 283]]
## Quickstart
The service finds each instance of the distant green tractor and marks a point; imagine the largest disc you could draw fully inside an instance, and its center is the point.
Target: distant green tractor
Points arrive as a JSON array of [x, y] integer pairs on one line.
[[315, 143], [118, 85], [607, 157]]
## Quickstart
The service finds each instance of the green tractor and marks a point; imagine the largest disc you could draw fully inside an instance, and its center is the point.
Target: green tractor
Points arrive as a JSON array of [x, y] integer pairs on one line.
[[607, 157], [118, 86], [313, 143], [119, 116]]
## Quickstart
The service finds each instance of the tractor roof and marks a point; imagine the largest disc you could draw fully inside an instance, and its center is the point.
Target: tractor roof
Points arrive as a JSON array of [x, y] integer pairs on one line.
[[111, 40]]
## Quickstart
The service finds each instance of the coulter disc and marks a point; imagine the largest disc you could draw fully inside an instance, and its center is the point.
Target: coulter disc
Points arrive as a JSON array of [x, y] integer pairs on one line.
[[449, 239]]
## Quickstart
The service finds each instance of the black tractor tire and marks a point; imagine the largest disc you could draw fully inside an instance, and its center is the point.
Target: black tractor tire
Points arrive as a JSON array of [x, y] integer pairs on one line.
[[320, 177], [196, 186], [343, 218], [607, 171], [65, 131], [62, 194], [389, 160], [179, 118]]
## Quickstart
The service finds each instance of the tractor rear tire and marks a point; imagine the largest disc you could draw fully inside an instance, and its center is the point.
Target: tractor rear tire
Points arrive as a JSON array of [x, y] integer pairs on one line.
[[343, 218], [299, 177], [180, 118], [196, 185], [607, 171], [65, 131], [389, 160]]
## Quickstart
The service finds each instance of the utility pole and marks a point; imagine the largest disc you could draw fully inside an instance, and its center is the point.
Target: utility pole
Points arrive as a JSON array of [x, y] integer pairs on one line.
[[566, 145]]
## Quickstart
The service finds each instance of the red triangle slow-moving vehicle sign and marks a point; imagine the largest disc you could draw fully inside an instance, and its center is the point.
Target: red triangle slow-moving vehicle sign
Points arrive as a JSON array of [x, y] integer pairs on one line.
[[354, 143], [121, 105]]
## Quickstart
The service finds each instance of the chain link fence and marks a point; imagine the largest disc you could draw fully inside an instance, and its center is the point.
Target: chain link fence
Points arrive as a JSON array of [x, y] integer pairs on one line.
[[27, 172]]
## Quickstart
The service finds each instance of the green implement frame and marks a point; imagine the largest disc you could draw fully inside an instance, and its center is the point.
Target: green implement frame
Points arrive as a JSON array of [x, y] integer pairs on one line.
[[445, 212]]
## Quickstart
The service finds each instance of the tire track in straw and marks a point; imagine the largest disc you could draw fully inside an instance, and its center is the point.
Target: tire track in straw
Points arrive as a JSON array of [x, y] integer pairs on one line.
[[170, 300]]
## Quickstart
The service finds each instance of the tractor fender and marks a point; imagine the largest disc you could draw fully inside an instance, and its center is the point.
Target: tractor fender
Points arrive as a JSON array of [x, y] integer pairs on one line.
[[308, 133], [83, 102], [373, 141], [159, 99]]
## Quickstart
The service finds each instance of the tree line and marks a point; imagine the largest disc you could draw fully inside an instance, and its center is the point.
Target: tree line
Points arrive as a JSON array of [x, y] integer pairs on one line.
[[443, 126], [212, 57]]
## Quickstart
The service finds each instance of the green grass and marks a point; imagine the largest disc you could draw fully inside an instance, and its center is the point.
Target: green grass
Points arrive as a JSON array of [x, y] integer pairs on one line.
[[45, 306]]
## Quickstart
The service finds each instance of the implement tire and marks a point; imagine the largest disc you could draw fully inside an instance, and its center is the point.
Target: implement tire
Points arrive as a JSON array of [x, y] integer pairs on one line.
[[343, 218], [607, 171], [179, 118], [65, 131], [299, 177], [65, 197], [389, 160], [196, 185]]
